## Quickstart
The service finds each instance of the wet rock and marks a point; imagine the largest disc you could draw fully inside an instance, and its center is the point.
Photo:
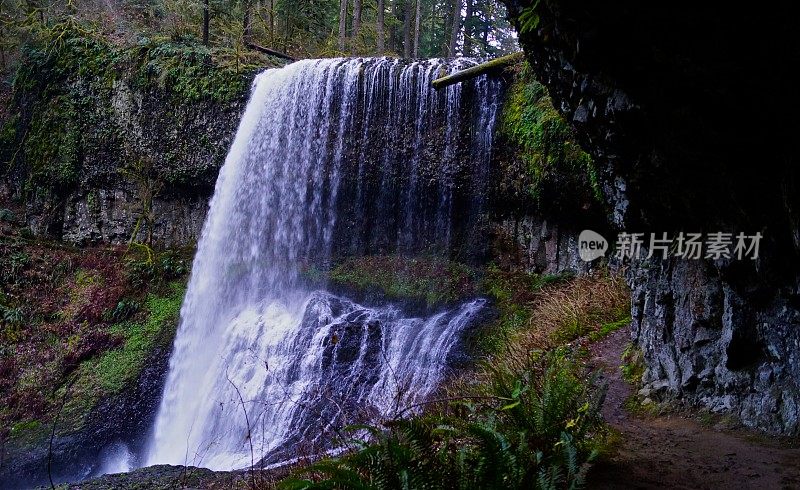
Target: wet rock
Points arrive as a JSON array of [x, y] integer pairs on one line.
[[705, 343], [166, 477], [155, 157], [675, 156], [545, 247]]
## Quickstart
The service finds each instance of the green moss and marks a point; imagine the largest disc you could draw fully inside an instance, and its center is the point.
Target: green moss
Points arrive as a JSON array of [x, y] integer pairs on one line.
[[634, 405], [432, 279], [607, 329], [92, 202], [633, 364], [66, 81], [8, 141], [116, 369], [188, 71], [546, 142], [65, 88], [52, 144], [28, 431]]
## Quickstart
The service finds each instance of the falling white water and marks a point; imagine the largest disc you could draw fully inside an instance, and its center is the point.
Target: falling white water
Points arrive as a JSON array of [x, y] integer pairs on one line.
[[116, 458], [331, 157]]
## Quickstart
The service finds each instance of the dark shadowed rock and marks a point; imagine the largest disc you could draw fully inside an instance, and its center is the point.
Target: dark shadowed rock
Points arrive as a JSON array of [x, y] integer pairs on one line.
[[689, 111]]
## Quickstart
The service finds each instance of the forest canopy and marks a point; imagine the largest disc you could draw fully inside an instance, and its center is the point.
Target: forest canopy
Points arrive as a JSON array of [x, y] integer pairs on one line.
[[300, 28]]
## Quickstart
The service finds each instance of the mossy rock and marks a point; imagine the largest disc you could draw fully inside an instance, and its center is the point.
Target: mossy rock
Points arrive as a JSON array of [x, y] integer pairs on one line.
[[109, 398], [76, 94], [118, 369], [541, 164], [429, 280]]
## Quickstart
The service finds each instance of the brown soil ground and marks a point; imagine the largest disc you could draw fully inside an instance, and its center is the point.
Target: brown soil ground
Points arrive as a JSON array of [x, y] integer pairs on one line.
[[677, 450]]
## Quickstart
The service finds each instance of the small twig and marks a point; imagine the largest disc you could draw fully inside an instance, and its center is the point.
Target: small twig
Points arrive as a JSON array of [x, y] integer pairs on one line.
[[449, 399], [249, 433]]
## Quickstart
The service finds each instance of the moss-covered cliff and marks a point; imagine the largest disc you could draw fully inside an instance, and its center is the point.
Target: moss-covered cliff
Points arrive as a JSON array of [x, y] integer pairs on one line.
[[545, 187], [104, 142]]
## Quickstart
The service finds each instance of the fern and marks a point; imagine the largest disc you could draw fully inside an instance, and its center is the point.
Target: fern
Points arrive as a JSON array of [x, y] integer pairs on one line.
[[529, 18], [536, 436]]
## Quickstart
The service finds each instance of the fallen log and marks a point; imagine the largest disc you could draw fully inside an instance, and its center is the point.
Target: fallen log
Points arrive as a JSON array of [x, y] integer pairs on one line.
[[492, 66], [268, 51]]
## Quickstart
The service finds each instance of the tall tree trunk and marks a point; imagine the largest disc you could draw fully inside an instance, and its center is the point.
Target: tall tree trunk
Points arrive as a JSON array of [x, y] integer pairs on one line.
[[246, 21], [456, 26], [379, 27], [287, 31], [206, 21], [342, 23], [393, 27], [2, 50], [356, 24], [468, 29], [487, 25], [407, 30], [417, 19], [444, 45], [271, 23]]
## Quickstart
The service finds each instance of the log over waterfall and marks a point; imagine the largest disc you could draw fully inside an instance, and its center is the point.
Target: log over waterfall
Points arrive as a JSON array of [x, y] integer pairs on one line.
[[490, 67]]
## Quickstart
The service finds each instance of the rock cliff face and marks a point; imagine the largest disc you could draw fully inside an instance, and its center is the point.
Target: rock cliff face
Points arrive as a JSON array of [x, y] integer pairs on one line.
[[110, 196], [714, 341], [111, 142], [542, 246], [686, 111]]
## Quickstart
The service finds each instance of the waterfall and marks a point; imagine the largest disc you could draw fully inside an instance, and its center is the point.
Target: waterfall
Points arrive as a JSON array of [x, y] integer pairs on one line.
[[332, 158]]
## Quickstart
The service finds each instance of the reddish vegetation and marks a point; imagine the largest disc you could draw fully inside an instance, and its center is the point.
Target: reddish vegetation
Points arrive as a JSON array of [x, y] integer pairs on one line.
[[58, 298], [56, 306]]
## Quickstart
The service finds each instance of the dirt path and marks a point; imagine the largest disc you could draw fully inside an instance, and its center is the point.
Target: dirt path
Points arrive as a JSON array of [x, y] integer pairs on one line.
[[677, 452]]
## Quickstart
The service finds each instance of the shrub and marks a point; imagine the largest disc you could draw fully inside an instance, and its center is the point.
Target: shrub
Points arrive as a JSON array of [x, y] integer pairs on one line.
[[7, 215], [633, 364], [147, 268], [124, 310]]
